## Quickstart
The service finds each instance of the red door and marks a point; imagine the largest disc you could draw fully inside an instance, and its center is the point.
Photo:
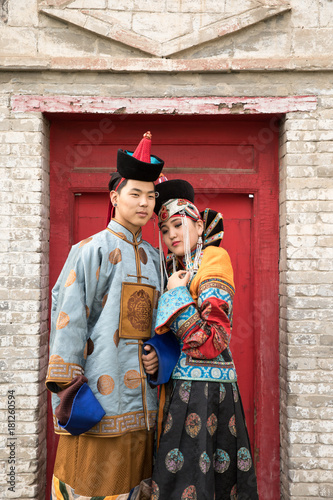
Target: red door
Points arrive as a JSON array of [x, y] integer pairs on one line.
[[232, 163]]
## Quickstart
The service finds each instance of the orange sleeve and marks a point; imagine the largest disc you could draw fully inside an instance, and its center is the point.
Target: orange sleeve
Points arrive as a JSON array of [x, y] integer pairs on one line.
[[215, 263]]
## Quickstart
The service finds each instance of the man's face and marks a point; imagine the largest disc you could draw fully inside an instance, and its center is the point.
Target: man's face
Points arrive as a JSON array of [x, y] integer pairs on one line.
[[135, 204]]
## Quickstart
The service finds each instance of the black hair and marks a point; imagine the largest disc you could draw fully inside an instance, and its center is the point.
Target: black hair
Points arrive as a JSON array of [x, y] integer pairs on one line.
[[114, 181]]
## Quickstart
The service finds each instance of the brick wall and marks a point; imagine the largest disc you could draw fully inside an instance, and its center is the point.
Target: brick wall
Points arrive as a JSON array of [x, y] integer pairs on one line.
[[306, 338], [24, 233]]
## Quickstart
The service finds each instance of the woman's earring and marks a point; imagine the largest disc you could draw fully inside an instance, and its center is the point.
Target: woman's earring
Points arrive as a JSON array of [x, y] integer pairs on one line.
[[115, 204], [198, 255]]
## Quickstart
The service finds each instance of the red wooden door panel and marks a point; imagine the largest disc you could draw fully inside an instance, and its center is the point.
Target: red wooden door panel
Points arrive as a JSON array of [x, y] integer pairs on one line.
[[225, 159]]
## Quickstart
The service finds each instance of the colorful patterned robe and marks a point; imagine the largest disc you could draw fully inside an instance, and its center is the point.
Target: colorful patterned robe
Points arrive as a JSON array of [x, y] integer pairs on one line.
[[201, 319]]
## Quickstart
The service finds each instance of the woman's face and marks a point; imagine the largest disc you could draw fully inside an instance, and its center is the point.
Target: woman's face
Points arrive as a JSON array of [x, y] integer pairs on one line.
[[173, 237]]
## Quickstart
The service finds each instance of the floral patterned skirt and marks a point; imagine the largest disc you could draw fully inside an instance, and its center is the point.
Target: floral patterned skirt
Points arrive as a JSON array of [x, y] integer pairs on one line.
[[204, 451]]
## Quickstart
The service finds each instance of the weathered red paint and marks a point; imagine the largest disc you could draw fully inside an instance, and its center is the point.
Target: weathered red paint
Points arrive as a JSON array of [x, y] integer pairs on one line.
[[226, 158], [164, 106]]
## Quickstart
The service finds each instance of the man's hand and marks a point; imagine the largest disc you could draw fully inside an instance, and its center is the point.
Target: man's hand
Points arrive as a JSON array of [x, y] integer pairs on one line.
[[179, 278], [150, 360]]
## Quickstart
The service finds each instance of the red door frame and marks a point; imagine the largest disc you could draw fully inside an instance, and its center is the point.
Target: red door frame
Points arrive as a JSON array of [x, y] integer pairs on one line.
[[263, 184]]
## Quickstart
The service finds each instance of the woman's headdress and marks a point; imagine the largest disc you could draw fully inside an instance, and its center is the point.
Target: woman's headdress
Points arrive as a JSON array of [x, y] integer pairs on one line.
[[176, 198]]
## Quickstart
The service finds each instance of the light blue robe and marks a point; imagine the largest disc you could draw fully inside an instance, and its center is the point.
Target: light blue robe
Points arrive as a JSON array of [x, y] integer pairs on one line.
[[85, 328]]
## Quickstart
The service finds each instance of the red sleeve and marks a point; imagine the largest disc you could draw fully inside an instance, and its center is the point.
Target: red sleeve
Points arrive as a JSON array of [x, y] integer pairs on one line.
[[208, 330]]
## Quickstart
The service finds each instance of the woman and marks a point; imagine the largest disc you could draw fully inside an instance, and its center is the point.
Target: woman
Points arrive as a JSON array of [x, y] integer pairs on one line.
[[204, 450]]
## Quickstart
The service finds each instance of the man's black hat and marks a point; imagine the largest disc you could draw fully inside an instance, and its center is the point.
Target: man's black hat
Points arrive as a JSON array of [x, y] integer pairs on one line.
[[140, 165]]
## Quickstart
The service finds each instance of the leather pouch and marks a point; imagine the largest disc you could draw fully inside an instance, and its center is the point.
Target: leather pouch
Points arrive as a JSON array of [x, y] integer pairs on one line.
[[136, 311]]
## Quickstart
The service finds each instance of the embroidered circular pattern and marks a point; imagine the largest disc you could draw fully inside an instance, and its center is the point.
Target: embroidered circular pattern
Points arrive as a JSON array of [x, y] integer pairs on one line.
[[115, 256], [139, 310], [216, 373], [190, 493], [174, 460], [232, 426], [212, 424], [204, 462], [221, 461], [105, 385], [244, 460], [182, 362], [84, 242], [71, 278], [233, 493], [193, 425], [89, 348], [132, 379], [62, 321], [185, 391], [195, 373], [155, 491], [168, 423], [235, 392], [56, 359], [222, 392], [143, 256]]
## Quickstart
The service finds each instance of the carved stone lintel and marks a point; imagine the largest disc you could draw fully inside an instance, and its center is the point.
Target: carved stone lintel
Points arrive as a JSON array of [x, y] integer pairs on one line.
[[104, 23]]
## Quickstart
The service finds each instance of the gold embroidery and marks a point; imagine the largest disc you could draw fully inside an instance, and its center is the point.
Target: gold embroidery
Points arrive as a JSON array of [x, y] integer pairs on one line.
[[132, 379], [59, 371], [115, 256], [136, 307], [222, 285], [56, 359], [139, 310], [62, 321], [143, 256], [105, 384], [116, 425], [71, 278], [84, 242]]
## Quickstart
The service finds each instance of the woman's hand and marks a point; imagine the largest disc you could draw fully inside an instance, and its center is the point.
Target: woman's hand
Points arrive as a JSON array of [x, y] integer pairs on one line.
[[179, 278], [150, 360]]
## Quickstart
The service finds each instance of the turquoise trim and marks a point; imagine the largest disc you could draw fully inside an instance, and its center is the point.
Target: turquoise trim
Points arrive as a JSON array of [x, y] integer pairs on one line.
[[221, 371], [153, 159], [170, 303]]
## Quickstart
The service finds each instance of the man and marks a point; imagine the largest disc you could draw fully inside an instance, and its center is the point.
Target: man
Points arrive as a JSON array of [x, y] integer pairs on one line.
[[103, 309]]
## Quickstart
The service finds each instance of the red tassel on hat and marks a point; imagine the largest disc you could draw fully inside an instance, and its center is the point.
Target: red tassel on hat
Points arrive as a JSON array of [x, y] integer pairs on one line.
[[142, 151]]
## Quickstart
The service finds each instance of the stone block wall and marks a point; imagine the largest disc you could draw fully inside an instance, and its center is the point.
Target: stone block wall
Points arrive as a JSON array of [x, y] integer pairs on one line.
[[306, 340], [24, 234]]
